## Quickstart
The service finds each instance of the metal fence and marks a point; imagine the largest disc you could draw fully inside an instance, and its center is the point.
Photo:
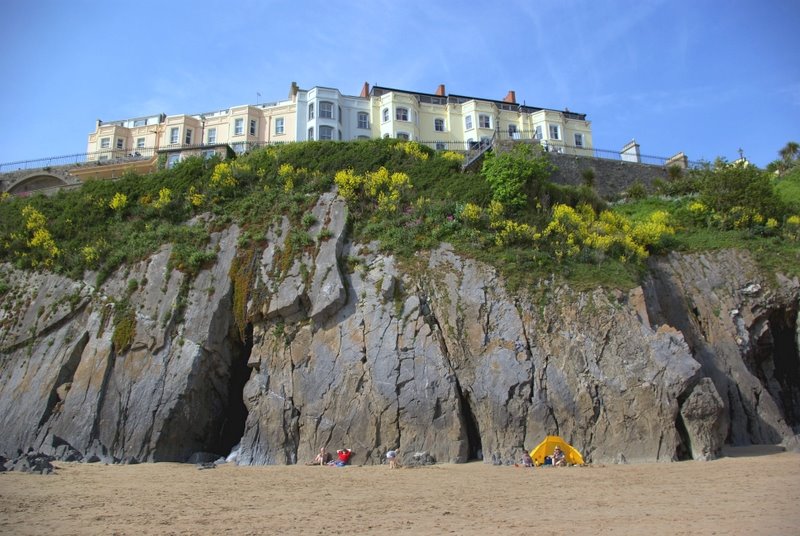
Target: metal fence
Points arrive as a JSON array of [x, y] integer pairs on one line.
[[116, 156], [109, 156]]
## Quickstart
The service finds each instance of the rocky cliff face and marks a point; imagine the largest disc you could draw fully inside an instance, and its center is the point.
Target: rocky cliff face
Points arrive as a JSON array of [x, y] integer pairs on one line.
[[337, 345]]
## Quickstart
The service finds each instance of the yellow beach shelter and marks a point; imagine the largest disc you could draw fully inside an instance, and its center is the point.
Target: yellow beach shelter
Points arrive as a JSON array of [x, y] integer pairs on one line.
[[546, 447]]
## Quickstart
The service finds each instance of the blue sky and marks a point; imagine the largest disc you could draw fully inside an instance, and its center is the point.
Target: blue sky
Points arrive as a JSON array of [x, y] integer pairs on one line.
[[703, 77]]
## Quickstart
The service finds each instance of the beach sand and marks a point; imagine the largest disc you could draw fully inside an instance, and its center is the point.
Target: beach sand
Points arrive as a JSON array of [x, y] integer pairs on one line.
[[747, 492]]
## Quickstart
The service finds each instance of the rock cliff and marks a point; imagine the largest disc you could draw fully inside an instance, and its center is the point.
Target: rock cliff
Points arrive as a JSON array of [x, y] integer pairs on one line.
[[281, 350]]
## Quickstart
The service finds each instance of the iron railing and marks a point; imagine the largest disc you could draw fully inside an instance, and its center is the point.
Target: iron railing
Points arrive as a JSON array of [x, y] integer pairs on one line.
[[468, 148]]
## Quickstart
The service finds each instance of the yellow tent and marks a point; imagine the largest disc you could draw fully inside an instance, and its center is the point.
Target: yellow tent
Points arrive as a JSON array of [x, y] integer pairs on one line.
[[546, 447]]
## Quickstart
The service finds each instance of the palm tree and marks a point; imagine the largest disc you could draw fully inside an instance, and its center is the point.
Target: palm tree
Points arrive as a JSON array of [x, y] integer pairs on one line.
[[790, 152]]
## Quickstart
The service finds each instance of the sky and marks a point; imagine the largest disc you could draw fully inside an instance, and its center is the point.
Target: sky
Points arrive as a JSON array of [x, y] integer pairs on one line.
[[704, 77]]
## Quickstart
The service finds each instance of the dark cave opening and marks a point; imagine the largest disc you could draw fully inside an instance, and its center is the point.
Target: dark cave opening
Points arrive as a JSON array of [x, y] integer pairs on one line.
[[776, 362], [475, 448], [235, 417]]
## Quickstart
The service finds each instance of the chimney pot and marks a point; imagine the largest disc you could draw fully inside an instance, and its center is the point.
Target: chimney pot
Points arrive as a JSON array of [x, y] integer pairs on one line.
[[511, 97], [440, 92], [365, 90]]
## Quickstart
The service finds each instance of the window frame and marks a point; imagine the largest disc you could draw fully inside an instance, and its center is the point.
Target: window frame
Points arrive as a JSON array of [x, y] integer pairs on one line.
[[554, 129], [310, 111], [253, 127], [280, 127], [385, 115], [468, 122], [578, 138], [140, 143], [325, 133], [363, 120], [310, 133], [212, 135], [399, 115], [438, 124], [187, 137], [537, 132], [174, 135], [238, 126], [105, 143], [326, 110], [120, 143], [488, 121], [405, 136]]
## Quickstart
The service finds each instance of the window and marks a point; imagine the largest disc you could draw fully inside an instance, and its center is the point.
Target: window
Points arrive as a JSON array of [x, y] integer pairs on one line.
[[554, 132], [139, 122], [253, 127], [385, 114], [403, 136], [340, 135], [438, 125], [172, 160], [188, 138], [537, 132], [239, 147], [401, 114], [484, 121], [512, 132], [120, 143], [578, 140], [209, 154], [105, 143], [325, 110], [140, 143], [363, 120], [103, 157], [340, 117], [279, 125], [440, 146], [311, 111], [325, 132], [173, 135], [212, 135], [311, 133], [238, 127], [468, 122], [363, 137]]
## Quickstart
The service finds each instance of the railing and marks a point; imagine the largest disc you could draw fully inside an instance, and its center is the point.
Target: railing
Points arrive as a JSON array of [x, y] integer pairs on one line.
[[471, 150], [110, 156]]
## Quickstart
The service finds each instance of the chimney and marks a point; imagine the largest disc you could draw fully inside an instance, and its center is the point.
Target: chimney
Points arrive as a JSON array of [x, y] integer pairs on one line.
[[365, 90], [511, 97], [293, 90], [440, 92]]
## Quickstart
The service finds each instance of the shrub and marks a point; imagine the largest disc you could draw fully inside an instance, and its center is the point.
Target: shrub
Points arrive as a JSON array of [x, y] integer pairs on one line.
[[508, 173]]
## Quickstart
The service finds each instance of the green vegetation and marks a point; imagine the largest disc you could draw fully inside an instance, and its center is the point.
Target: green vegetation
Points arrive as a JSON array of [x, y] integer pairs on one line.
[[409, 198]]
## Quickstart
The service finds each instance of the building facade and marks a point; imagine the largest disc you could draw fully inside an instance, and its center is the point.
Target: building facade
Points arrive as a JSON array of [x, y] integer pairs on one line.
[[440, 120]]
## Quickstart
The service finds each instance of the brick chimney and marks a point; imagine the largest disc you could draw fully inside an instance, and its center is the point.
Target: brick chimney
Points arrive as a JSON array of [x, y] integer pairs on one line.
[[440, 92], [511, 97], [365, 90]]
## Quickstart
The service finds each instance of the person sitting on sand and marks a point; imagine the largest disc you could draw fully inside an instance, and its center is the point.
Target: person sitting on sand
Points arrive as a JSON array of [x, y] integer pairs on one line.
[[322, 458], [344, 456], [391, 456], [526, 460], [558, 458]]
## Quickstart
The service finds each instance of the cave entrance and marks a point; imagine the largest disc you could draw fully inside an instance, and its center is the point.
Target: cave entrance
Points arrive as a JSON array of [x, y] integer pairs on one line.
[[776, 362], [235, 416], [475, 449]]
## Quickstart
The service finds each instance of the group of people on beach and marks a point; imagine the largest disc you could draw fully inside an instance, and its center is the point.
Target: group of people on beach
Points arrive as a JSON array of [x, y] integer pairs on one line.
[[558, 459], [343, 458]]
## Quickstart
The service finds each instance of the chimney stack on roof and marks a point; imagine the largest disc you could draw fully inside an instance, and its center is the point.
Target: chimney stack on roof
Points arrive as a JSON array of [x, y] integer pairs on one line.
[[511, 97], [365, 90], [440, 92]]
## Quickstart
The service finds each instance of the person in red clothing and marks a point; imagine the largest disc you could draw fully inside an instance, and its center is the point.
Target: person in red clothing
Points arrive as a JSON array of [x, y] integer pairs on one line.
[[344, 456]]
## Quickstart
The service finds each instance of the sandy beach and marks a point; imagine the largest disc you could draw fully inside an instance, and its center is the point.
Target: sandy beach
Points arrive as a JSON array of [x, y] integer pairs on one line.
[[747, 492]]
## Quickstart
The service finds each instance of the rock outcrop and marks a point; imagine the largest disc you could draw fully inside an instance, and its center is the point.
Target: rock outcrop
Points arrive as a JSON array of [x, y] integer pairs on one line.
[[281, 349]]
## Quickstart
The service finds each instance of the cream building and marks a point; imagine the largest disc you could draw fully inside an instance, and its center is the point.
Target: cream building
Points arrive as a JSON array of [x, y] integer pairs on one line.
[[442, 121]]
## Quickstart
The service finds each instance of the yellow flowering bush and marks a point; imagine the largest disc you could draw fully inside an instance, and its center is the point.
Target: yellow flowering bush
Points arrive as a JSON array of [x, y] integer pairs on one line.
[[195, 198], [496, 213], [40, 241], [452, 156], [414, 149], [118, 202], [792, 227], [90, 255], [164, 198], [387, 189], [348, 183], [512, 232], [225, 173], [471, 213]]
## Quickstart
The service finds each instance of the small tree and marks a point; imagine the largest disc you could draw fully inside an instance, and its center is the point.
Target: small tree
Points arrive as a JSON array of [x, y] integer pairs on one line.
[[509, 173]]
